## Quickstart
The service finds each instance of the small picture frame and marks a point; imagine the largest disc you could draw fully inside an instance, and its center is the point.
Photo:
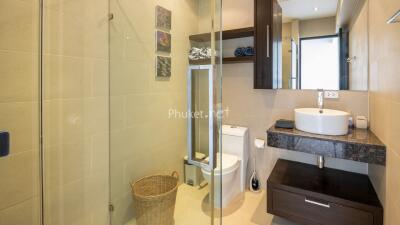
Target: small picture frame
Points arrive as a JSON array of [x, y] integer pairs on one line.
[[163, 18], [163, 41], [163, 67]]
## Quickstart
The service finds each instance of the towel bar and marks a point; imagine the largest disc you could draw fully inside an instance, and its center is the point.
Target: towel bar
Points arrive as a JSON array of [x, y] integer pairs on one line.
[[395, 18]]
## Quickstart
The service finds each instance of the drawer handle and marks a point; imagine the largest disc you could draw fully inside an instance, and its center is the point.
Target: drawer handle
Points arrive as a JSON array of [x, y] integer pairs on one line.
[[317, 203]]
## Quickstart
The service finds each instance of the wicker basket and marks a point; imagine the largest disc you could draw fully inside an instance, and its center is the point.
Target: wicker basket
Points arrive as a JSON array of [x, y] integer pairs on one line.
[[154, 199]]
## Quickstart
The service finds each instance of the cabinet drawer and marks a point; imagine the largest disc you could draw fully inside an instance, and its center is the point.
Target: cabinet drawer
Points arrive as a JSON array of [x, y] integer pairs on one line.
[[312, 211]]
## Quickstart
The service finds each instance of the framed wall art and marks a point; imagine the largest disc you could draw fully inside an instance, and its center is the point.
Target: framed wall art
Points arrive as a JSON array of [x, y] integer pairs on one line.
[[163, 41], [163, 67], [163, 18]]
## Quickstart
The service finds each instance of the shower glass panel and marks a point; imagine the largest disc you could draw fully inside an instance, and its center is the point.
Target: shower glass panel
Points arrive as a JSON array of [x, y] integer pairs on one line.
[[150, 98], [75, 101], [20, 197]]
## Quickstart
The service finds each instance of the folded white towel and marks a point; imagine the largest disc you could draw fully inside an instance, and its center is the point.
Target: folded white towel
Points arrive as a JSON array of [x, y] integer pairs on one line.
[[199, 53]]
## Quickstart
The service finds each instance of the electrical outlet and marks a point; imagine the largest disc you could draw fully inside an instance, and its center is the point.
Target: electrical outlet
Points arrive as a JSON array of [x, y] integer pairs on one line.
[[331, 94]]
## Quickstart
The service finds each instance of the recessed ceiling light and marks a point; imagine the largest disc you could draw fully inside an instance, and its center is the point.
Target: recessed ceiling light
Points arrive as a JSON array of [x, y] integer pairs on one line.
[[316, 9]]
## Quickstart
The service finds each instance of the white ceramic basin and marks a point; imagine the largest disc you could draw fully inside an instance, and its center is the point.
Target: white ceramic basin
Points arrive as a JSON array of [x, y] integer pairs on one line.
[[329, 122]]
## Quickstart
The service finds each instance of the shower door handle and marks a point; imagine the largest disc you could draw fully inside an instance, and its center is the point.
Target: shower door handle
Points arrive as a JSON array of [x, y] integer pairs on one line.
[[201, 75]]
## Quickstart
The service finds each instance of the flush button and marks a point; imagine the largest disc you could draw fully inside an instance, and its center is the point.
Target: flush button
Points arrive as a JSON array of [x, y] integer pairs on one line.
[[4, 143]]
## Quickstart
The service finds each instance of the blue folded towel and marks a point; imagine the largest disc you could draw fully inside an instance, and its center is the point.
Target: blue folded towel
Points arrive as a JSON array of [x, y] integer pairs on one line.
[[248, 51], [244, 51], [239, 52]]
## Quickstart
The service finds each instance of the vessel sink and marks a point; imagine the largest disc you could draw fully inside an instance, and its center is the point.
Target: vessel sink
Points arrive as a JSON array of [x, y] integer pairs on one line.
[[327, 122]]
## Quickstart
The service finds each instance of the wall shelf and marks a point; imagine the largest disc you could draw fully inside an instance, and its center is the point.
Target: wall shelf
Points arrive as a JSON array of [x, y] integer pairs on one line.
[[227, 60], [242, 59], [227, 34]]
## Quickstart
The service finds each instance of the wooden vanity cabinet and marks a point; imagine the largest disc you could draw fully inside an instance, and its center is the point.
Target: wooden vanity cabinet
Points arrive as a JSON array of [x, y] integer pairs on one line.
[[268, 44], [308, 195]]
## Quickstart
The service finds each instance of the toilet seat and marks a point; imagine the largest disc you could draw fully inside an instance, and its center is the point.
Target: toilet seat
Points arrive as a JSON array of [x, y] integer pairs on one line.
[[229, 164]]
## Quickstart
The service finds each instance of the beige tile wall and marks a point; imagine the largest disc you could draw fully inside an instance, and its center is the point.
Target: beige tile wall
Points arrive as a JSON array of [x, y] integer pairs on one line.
[[358, 47], [19, 108], [75, 110], [144, 140], [385, 102]]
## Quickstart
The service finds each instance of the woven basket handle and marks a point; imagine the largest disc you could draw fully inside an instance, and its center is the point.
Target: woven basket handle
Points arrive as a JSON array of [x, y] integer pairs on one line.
[[175, 174]]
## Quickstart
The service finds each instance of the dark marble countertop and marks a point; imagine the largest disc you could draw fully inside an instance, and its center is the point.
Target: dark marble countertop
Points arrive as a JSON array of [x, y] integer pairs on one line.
[[359, 145]]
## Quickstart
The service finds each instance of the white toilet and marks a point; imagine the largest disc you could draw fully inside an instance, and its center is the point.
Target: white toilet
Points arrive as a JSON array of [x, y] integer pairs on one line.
[[234, 164]]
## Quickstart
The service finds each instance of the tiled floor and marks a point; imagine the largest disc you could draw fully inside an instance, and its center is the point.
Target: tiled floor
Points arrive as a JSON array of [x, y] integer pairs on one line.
[[192, 204]]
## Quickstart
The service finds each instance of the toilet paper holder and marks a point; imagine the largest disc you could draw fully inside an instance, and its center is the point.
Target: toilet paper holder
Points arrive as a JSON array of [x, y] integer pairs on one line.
[[259, 143]]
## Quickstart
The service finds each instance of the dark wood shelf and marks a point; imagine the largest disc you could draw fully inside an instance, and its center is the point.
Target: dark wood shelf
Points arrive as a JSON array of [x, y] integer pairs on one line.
[[200, 62], [227, 34], [227, 60], [242, 59]]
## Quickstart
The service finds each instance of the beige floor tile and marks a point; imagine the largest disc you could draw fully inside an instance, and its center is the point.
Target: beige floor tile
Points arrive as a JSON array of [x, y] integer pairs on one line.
[[192, 209]]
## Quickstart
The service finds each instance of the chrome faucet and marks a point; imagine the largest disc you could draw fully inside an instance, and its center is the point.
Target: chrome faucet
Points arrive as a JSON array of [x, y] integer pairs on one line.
[[321, 100]]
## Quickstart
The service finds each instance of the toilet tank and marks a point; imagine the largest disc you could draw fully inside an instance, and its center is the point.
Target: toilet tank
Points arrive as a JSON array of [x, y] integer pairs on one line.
[[235, 141]]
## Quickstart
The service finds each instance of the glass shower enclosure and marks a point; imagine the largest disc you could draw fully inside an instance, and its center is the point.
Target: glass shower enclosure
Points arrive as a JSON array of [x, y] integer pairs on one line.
[[165, 94], [96, 94]]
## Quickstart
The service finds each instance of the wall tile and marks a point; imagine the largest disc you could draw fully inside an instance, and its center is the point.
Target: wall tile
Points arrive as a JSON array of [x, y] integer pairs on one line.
[[385, 101], [67, 33], [25, 213], [19, 111], [19, 29], [18, 83], [75, 202], [393, 178], [67, 77], [19, 178], [21, 120]]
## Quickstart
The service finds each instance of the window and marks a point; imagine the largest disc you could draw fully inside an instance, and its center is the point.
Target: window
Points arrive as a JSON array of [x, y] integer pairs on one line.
[[319, 63]]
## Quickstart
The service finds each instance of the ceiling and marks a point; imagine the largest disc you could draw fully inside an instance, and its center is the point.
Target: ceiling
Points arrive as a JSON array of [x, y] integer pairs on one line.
[[305, 9]]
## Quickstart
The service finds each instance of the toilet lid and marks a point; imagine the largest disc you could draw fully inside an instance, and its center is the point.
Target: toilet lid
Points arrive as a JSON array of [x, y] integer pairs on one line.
[[229, 162]]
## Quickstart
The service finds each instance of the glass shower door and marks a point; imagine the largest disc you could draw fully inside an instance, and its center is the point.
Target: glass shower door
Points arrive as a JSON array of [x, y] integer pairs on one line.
[[165, 94]]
